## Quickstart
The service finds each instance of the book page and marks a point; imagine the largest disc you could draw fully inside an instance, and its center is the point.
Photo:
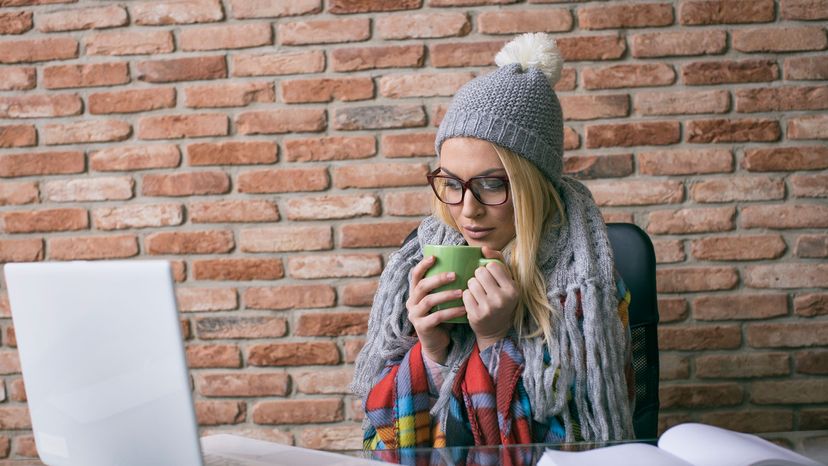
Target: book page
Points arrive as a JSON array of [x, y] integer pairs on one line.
[[713, 446], [628, 454]]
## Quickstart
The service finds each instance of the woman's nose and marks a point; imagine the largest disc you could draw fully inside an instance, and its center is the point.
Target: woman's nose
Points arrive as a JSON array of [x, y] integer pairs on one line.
[[471, 206]]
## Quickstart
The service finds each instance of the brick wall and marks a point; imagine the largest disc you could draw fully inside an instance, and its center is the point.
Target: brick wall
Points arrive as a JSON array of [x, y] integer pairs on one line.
[[275, 152]]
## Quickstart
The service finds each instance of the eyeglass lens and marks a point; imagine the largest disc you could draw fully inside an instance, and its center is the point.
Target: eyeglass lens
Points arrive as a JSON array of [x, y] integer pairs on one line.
[[489, 191]]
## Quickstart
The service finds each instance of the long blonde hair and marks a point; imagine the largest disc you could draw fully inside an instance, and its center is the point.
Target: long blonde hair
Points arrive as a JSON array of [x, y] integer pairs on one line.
[[537, 207]]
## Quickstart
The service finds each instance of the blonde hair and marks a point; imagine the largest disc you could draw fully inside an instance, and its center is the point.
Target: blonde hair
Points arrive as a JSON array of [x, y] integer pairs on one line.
[[537, 207]]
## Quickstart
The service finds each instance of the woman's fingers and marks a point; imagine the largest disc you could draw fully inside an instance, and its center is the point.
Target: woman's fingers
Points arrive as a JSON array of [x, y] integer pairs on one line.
[[438, 317], [425, 305]]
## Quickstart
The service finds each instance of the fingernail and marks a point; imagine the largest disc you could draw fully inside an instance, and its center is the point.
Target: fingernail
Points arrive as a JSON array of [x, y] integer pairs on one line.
[[451, 275]]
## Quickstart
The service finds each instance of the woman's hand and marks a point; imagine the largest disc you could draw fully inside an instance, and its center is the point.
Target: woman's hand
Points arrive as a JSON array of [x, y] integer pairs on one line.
[[433, 335], [491, 300]]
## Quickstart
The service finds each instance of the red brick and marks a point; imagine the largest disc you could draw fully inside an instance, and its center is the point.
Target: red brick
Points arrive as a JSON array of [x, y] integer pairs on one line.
[[625, 16], [689, 279], [232, 153], [339, 7], [809, 185], [806, 68], [289, 297], [352, 348], [440, 3], [181, 69], [377, 175], [135, 158], [293, 354], [40, 106], [790, 392], [685, 161], [738, 247], [286, 239], [329, 148], [15, 418], [810, 305], [41, 163], [131, 101], [785, 216], [781, 99], [234, 384], [629, 75], [15, 22], [678, 43], [235, 36], [47, 220], [753, 421], [379, 117], [610, 216], [88, 189], [423, 84], [445, 55], [788, 335], [672, 309], [332, 324], [223, 327], [229, 95], [206, 299], [238, 269], [332, 438], [812, 362], [89, 131], [183, 126], [741, 188], [279, 121], [21, 250], [740, 307], [724, 72], [298, 411], [212, 413], [747, 130], [95, 247], [137, 216], [332, 207], [24, 446], [590, 48], [324, 31], [808, 127], [515, 22], [809, 275], [17, 136], [38, 50], [750, 365], [698, 12], [326, 89], [233, 211], [283, 180], [691, 220], [358, 293], [368, 58], [312, 61], [185, 184], [246, 9], [699, 337], [644, 192], [644, 133], [127, 42], [697, 395], [18, 193], [83, 18], [408, 145], [422, 25], [681, 103], [17, 78], [672, 367], [179, 12], [374, 235], [813, 419], [334, 266], [190, 242], [804, 9], [815, 246], [779, 39], [204, 356], [668, 251], [407, 202], [786, 158], [591, 107], [598, 166], [98, 74], [568, 80]]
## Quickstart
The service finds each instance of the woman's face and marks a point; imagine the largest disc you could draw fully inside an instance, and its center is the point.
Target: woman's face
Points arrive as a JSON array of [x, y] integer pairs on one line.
[[481, 225]]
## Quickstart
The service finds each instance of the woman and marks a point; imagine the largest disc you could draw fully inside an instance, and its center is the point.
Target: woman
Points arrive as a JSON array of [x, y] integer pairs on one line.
[[545, 356]]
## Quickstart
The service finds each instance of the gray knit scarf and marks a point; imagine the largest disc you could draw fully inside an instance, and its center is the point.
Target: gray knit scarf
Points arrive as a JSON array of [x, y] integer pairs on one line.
[[587, 355]]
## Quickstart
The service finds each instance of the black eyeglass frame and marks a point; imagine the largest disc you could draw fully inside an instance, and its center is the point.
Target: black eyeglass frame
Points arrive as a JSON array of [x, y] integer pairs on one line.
[[466, 186]]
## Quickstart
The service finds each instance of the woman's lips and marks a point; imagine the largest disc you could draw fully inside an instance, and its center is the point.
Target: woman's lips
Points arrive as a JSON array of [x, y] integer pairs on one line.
[[477, 232]]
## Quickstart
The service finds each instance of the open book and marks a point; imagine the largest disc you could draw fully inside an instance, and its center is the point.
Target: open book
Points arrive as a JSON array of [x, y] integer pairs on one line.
[[685, 445]]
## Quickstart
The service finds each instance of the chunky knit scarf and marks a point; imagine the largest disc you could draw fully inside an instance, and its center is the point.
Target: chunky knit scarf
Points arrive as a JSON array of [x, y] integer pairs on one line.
[[587, 354]]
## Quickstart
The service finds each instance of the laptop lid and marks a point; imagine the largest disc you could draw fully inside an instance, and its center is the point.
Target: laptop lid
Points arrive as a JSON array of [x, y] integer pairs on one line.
[[103, 363]]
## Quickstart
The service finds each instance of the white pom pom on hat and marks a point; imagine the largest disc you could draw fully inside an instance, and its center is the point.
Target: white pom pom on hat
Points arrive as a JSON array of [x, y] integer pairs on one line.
[[533, 50]]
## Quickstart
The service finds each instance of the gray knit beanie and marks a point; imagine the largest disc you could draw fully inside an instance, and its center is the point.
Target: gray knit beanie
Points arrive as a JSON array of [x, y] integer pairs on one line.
[[515, 105]]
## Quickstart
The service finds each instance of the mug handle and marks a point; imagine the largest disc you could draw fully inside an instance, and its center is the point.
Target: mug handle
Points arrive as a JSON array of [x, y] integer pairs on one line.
[[482, 262]]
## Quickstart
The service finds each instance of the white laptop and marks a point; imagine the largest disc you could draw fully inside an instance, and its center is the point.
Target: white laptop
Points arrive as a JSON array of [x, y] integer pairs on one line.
[[105, 374]]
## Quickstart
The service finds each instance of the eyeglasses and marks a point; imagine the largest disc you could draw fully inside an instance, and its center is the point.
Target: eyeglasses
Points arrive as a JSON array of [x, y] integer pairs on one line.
[[488, 190]]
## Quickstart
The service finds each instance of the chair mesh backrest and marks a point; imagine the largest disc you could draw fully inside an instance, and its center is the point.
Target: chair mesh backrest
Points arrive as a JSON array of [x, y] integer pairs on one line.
[[635, 261]]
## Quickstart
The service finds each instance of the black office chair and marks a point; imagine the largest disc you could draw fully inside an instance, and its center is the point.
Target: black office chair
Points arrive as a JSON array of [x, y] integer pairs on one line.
[[635, 261]]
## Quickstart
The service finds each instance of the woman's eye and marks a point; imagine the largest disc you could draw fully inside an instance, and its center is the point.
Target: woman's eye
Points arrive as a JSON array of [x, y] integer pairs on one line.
[[453, 184], [492, 184]]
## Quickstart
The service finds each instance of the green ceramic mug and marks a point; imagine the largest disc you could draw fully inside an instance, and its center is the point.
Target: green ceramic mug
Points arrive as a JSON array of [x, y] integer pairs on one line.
[[463, 261]]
